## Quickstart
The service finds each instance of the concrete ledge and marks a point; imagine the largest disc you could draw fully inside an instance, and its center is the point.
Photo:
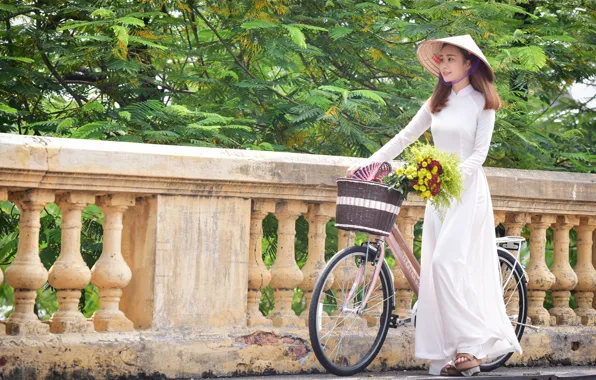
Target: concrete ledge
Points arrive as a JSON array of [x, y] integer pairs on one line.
[[72, 164], [188, 354]]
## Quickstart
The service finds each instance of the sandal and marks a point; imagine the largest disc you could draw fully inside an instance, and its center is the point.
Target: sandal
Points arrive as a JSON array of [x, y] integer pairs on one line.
[[469, 366], [450, 370]]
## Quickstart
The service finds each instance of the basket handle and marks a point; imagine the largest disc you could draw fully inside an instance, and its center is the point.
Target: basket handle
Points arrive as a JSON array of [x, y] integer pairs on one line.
[[373, 172]]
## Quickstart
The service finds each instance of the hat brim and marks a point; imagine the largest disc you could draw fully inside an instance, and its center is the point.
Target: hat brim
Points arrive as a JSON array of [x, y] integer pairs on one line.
[[428, 50]]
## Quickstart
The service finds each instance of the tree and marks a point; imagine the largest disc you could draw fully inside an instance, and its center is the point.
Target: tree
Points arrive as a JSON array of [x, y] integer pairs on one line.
[[321, 77]]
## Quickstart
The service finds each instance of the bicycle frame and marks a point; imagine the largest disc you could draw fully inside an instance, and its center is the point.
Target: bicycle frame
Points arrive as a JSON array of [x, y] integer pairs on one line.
[[408, 263], [405, 259]]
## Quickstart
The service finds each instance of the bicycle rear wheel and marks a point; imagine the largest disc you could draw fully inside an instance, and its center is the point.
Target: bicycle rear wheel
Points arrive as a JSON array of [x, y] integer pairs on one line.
[[516, 301], [344, 341]]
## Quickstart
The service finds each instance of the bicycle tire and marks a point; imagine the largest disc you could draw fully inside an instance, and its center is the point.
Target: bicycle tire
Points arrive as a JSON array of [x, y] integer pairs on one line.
[[316, 307], [518, 273]]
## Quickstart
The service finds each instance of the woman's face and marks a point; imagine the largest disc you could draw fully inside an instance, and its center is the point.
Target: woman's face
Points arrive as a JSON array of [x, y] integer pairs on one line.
[[452, 64]]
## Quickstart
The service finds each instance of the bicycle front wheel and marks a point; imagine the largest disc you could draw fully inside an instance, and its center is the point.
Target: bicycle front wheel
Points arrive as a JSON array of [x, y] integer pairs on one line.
[[344, 340]]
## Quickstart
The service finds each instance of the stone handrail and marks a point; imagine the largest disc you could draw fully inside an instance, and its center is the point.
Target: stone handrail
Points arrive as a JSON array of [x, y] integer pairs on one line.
[[182, 240]]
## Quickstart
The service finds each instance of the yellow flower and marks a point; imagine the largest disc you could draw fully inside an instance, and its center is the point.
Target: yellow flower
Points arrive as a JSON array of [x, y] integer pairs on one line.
[[428, 175], [422, 171], [416, 187], [410, 176], [426, 194], [421, 188], [435, 170], [424, 164], [400, 171]]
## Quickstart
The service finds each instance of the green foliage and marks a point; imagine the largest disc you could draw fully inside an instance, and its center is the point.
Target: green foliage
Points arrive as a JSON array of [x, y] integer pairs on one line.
[[323, 77]]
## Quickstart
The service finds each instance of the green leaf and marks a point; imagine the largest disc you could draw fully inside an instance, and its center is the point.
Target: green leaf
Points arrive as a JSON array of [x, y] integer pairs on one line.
[[259, 24], [121, 34], [65, 125], [531, 57], [237, 127], [333, 89], [339, 32], [130, 21], [94, 106], [394, 3], [296, 35], [369, 94], [7, 109], [96, 129], [78, 25], [21, 59], [102, 13], [146, 42], [93, 38], [8, 8], [310, 27]]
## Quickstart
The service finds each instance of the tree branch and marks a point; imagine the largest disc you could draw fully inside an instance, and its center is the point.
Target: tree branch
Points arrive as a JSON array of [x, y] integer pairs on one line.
[[56, 75]]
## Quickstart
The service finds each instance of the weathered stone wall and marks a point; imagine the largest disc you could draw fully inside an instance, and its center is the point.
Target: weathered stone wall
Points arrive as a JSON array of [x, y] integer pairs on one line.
[[183, 354]]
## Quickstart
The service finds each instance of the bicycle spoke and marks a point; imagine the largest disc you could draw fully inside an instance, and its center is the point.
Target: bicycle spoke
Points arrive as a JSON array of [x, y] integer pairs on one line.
[[342, 337]]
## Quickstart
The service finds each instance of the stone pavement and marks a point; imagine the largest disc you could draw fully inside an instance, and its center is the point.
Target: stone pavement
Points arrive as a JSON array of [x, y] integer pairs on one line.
[[513, 373]]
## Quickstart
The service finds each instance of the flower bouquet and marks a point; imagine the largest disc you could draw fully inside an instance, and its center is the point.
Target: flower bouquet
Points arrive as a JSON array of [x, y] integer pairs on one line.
[[430, 173]]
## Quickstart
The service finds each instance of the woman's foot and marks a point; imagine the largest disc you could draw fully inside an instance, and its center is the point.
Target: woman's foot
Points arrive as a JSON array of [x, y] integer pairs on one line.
[[467, 364], [450, 370]]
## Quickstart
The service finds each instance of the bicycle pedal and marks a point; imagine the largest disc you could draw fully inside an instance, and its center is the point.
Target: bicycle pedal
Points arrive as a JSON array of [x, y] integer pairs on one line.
[[394, 322]]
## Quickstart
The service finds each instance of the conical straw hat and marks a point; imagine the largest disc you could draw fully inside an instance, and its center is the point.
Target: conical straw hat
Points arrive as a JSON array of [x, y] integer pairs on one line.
[[428, 52]]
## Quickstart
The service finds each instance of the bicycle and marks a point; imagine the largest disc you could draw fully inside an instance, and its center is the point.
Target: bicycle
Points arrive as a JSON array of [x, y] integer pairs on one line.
[[343, 300]]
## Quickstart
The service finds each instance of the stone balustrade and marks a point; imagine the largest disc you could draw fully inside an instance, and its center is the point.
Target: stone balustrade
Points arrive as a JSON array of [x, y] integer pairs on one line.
[[182, 258]]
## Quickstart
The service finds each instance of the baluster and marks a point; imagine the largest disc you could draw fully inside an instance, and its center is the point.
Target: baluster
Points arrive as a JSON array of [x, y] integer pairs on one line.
[[407, 219], [111, 273], [513, 223], [70, 274], [3, 197], [258, 274], [565, 277], [348, 267], [594, 260], [499, 217], [26, 273], [318, 215], [342, 243], [585, 271], [342, 239], [338, 277], [285, 274], [375, 305], [540, 278]]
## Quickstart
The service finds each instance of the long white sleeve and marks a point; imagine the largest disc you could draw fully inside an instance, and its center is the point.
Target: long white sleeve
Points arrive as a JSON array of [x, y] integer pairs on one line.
[[484, 133], [415, 128]]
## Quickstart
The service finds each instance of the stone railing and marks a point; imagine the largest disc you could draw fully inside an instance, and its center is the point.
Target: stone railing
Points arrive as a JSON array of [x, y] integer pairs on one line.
[[181, 272]]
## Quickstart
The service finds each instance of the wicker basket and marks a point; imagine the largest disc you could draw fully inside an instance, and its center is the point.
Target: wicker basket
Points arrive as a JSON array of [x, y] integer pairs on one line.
[[366, 206]]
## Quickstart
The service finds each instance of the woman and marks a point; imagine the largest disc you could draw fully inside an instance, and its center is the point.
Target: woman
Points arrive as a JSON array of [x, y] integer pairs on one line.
[[460, 303]]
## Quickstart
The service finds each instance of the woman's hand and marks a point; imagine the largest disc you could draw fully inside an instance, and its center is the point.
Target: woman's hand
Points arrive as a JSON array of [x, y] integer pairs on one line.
[[352, 169]]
